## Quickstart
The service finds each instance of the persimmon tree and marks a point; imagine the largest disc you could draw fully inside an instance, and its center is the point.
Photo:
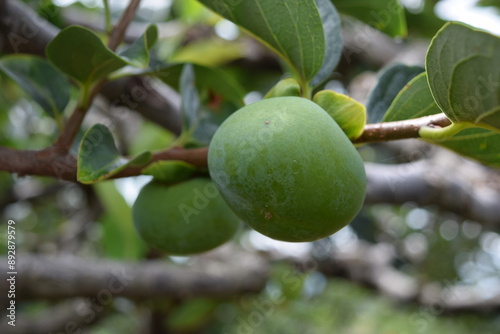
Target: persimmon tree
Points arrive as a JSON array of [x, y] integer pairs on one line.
[[452, 102]]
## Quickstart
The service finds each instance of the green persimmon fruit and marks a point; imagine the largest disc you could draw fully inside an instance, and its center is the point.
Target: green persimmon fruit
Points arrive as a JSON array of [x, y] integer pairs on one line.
[[287, 169], [185, 218]]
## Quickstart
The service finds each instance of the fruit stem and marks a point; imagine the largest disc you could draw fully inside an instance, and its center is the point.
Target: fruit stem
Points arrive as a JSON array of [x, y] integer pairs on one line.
[[434, 133]]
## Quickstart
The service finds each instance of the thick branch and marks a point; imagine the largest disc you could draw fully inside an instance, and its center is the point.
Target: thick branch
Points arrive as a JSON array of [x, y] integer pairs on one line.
[[400, 129], [212, 275], [425, 183], [57, 163], [67, 317], [372, 265]]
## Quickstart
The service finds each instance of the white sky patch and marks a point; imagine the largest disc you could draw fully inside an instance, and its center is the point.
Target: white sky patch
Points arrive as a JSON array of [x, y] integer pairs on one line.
[[150, 4], [227, 30], [465, 11], [129, 187], [292, 249]]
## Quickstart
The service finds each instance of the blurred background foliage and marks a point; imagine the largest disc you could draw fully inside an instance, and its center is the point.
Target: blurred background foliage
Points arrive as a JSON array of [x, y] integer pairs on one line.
[[55, 217]]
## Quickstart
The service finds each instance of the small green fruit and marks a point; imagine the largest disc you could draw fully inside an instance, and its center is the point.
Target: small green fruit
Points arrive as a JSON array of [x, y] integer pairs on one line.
[[185, 218], [287, 169]]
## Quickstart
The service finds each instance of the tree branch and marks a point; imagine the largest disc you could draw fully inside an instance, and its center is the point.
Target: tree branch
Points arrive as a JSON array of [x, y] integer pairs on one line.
[[67, 317], [23, 31], [74, 123], [387, 131], [372, 265], [43, 161], [118, 31], [425, 183], [225, 272]]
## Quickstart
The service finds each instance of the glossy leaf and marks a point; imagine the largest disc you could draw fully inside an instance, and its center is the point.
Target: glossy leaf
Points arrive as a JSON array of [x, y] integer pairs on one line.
[[137, 54], [292, 28], [190, 102], [333, 40], [119, 239], [415, 100], [349, 114], [46, 85], [82, 55], [98, 157], [170, 171], [390, 82], [463, 65], [385, 15]]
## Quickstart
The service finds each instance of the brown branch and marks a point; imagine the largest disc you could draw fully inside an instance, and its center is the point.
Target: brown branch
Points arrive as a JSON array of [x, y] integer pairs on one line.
[[73, 124], [118, 32], [56, 162], [224, 272], [72, 316], [372, 265], [409, 128], [426, 183]]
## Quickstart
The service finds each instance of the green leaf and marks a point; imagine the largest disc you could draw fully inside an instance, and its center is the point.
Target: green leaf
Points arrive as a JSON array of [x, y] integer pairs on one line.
[[219, 93], [475, 90], [190, 102], [99, 159], [333, 39], [46, 85], [463, 65], [489, 3], [392, 79], [285, 87], [119, 240], [82, 55], [210, 80], [387, 16], [170, 171], [137, 54], [192, 315], [415, 100], [209, 121], [349, 114], [210, 52], [151, 137], [292, 28]]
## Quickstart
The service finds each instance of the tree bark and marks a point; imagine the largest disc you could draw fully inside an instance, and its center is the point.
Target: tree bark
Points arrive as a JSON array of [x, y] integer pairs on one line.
[[210, 275]]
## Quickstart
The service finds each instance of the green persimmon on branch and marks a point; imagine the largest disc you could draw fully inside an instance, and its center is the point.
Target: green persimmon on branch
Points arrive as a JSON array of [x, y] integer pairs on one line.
[[267, 162]]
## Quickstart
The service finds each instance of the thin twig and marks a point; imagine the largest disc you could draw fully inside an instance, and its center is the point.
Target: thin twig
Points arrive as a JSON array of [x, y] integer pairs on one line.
[[74, 122], [118, 32], [57, 162], [409, 128]]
